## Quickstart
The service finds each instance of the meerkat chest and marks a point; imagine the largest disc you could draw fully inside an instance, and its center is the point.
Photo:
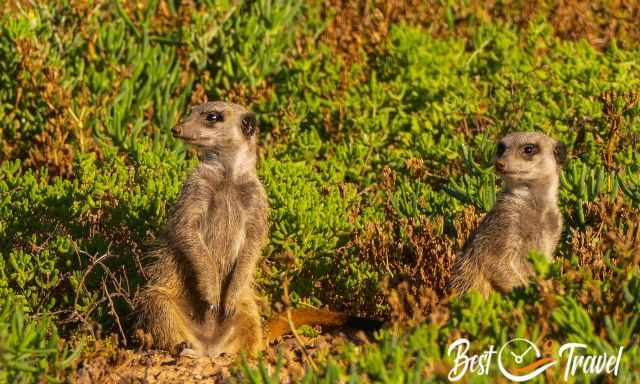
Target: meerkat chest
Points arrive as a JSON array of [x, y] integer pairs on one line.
[[540, 230], [228, 218], [225, 208]]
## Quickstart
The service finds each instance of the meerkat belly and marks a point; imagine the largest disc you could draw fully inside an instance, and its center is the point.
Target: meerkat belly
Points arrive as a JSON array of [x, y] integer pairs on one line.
[[226, 232]]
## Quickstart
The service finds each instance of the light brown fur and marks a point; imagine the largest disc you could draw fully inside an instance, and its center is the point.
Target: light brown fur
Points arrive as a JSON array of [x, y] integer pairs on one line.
[[200, 293], [524, 218]]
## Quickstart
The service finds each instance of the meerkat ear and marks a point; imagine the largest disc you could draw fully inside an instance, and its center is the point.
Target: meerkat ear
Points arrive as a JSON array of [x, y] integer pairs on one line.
[[249, 124], [560, 153]]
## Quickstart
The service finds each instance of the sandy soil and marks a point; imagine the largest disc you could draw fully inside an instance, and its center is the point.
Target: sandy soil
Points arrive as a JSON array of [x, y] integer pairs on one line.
[[112, 365]]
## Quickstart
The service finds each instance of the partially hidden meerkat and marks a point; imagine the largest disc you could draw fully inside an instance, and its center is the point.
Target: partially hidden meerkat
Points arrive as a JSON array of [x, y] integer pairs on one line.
[[200, 298], [525, 217]]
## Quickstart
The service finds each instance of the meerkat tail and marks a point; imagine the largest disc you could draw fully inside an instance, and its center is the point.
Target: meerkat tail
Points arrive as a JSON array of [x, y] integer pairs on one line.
[[279, 325]]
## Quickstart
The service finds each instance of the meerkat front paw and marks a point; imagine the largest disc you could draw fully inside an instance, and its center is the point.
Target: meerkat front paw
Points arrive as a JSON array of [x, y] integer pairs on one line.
[[230, 307], [212, 312], [212, 308], [212, 300], [229, 311]]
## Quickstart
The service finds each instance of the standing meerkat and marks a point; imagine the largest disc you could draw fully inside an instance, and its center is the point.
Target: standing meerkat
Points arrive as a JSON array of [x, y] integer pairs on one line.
[[200, 293], [524, 218], [200, 297]]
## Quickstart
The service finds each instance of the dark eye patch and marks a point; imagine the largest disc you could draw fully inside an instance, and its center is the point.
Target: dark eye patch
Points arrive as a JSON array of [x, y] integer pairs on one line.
[[502, 147], [529, 150], [214, 116]]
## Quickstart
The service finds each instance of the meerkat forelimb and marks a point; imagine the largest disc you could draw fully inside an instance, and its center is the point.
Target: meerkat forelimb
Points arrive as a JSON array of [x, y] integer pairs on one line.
[[525, 217]]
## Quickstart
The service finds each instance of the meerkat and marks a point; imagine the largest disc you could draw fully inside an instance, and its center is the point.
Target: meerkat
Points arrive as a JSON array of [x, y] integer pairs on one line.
[[200, 292], [525, 217], [200, 299]]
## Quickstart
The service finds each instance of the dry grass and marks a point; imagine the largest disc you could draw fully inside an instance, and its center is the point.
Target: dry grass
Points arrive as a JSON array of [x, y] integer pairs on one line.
[[364, 24]]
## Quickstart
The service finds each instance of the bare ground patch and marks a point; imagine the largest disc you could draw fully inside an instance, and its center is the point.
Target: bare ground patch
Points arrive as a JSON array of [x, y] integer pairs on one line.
[[111, 365]]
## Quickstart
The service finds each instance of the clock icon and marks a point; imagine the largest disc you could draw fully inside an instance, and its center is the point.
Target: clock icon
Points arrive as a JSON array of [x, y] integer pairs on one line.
[[519, 358], [526, 357]]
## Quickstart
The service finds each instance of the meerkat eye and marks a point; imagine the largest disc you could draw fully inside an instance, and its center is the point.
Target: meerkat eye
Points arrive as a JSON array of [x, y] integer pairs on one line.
[[215, 117], [530, 149], [501, 148]]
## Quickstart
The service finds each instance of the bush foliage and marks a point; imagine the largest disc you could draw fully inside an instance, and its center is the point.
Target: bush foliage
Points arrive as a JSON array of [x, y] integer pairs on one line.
[[378, 123]]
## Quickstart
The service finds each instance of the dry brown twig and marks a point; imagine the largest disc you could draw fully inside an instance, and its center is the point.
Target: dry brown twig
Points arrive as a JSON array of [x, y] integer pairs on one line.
[[113, 312], [120, 288]]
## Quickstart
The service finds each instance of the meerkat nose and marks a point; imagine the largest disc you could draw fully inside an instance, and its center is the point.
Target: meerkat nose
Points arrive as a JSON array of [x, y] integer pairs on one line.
[[500, 166], [177, 130]]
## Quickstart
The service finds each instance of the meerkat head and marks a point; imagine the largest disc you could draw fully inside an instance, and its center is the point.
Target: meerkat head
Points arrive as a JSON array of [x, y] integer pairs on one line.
[[529, 156], [219, 128]]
